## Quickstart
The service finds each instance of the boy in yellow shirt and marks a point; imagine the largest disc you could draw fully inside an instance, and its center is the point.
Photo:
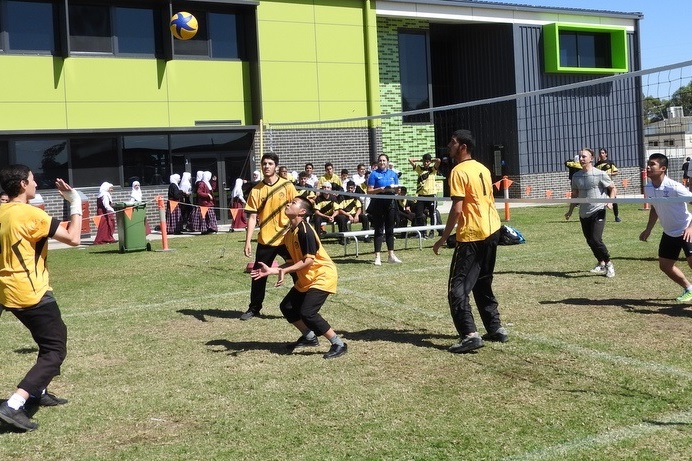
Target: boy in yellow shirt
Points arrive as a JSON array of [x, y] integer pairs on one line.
[[316, 278]]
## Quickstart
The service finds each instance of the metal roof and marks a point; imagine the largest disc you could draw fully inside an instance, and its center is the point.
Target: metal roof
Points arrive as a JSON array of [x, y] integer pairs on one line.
[[532, 8]]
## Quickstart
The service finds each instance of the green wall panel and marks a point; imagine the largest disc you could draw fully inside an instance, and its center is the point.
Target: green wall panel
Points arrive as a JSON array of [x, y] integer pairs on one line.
[[287, 41], [340, 43], [33, 115], [312, 55], [115, 114], [31, 79]]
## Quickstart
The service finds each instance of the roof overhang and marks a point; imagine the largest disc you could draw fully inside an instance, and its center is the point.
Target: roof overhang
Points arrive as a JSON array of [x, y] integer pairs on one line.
[[490, 12]]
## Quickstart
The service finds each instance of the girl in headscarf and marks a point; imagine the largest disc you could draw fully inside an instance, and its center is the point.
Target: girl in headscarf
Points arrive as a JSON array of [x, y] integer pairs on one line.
[[186, 189], [104, 208], [238, 202], [136, 194], [174, 221], [205, 224]]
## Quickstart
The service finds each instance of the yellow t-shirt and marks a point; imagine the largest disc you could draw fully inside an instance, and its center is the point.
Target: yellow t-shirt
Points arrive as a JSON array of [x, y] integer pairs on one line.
[[303, 242], [24, 233], [334, 179], [471, 182], [269, 202], [426, 180]]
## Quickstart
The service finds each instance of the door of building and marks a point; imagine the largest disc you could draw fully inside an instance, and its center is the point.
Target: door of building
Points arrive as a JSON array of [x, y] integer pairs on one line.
[[225, 169]]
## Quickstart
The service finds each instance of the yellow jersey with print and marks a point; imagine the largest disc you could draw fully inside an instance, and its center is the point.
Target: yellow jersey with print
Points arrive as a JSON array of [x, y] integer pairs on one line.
[[350, 205], [302, 242], [425, 185], [269, 202], [471, 182], [24, 233]]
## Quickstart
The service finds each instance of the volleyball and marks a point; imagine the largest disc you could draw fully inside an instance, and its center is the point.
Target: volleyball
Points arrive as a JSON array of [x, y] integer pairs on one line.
[[183, 25]]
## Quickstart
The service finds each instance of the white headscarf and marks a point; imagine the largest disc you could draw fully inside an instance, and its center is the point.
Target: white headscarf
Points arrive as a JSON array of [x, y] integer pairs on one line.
[[136, 193], [206, 176], [238, 190], [174, 179], [185, 184], [199, 176], [105, 196], [256, 176]]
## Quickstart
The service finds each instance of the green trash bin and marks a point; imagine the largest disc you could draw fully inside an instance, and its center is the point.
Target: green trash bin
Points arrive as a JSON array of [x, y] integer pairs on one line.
[[132, 235]]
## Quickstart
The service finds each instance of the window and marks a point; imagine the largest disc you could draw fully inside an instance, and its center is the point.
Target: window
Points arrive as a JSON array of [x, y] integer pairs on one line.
[[100, 28], [94, 161], [47, 159], [30, 27], [137, 31], [217, 36], [653, 143], [582, 49], [669, 142], [145, 159], [414, 75], [570, 48]]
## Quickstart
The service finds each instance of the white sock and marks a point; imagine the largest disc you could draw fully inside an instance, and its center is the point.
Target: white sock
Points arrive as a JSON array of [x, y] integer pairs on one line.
[[689, 288], [16, 401]]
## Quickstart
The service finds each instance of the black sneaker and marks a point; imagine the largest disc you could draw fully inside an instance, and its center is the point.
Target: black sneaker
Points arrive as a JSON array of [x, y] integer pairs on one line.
[[50, 400], [336, 351], [499, 335], [249, 314], [304, 342], [17, 418], [468, 344]]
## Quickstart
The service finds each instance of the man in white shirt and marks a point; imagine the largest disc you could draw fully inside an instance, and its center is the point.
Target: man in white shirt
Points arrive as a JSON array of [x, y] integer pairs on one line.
[[675, 219]]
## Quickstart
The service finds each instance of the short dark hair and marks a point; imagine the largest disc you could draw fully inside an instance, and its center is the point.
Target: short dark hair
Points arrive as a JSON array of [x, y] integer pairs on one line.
[[427, 157], [306, 204], [303, 174], [350, 184], [271, 156], [659, 158], [11, 178], [309, 165], [465, 137], [344, 171], [328, 164]]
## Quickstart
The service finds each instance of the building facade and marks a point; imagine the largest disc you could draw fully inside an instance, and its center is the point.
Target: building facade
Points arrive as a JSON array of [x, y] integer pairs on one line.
[[101, 91]]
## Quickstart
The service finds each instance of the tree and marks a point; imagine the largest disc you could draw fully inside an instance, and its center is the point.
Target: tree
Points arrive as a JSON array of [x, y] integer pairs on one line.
[[683, 97]]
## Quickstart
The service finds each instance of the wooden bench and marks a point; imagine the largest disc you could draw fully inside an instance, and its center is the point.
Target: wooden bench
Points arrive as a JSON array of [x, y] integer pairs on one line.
[[419, 231]]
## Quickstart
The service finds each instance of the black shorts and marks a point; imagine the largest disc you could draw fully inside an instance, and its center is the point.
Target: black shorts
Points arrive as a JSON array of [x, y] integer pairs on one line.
[[670, 247]]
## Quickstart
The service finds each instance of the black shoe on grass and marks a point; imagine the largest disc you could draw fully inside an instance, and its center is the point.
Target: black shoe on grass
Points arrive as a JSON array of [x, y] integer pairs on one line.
[[336, 351], [499, 336], [468, 344], [304, 342], [17, 418], [50, 400], [250, 313]]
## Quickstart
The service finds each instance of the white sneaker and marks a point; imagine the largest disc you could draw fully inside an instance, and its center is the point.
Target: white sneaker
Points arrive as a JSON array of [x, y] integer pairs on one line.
[[599, 269], [377, 262], [393, 260], [610, 270]]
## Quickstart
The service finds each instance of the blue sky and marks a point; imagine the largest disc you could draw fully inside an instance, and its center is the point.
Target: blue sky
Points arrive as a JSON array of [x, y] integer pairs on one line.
[[666, 30]]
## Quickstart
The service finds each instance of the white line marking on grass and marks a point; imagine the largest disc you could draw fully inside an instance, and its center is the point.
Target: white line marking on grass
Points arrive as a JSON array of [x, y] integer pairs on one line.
[[662, 422], [604, 356]]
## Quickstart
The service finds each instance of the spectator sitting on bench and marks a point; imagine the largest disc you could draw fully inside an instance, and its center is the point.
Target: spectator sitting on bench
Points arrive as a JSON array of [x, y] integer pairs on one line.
[[351, 211], [309, 193], [326, 207]]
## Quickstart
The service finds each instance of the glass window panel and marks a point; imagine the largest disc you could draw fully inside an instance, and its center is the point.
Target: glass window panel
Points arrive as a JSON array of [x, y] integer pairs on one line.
[[197, 45], [206, 142], [30, 26], [94, 161], [90, 28], [223, 35], [47, 159], [137, 30], [145, 159], [413, 68], [568, 49]]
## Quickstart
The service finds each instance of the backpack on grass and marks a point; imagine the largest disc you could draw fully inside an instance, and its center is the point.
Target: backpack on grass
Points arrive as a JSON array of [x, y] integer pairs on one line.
[[510, 236]]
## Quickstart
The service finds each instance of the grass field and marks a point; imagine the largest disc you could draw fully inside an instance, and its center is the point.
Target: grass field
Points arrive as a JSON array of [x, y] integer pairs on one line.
[[160, 368]]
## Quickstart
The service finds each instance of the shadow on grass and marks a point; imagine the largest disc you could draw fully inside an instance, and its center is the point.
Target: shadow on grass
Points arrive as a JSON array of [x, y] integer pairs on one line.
[[637, 306], [666, 423], [399, 336], [236, 347], [26, 350], [202, 314]]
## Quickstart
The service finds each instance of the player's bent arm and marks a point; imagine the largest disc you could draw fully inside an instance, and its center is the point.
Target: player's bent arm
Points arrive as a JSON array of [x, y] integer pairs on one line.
[[72, 235]]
